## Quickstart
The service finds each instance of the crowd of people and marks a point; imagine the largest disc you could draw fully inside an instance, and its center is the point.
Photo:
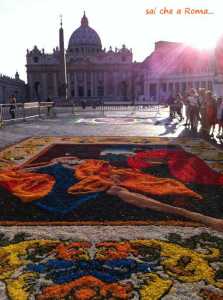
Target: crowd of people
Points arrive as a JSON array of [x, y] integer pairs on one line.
[[200, 109]]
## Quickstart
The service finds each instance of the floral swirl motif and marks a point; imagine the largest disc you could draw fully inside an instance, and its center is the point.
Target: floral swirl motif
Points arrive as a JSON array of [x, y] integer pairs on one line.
[[88, 288], [80, 270], [73, 251]]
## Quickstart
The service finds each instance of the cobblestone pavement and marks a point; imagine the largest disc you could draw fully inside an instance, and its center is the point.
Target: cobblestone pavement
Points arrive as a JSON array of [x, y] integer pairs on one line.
[[112, 124]]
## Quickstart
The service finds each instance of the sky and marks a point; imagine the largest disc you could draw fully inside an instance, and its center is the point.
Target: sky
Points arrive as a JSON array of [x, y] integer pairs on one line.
[[25, 23]]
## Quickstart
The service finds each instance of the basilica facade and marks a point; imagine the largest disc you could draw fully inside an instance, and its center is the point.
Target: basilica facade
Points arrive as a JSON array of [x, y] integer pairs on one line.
[[86, 70]]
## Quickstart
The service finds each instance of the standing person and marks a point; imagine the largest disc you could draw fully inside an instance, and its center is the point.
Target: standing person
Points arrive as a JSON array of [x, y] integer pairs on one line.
[[186, 110], [12, 107], [202, 103], [171, 105], [178, 106], [220, 117], [83, 104], [49, 105], [193, 109], [211, 113]]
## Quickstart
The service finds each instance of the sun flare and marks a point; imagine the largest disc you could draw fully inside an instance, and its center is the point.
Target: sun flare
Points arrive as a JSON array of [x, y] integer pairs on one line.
[[202, 43]]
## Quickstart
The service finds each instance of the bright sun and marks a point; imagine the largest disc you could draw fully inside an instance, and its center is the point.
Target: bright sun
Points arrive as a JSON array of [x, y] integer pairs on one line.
[[205, 39], [203, 43]]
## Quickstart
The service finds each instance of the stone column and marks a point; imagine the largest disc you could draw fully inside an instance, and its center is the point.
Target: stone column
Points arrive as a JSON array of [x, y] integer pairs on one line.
[[96, 84], [1, 94], [168, 85], [182, 87], [68, 86], [175, 86], [43, 86], [129, 94], [92, 84], [158, 91], [75, 85], [115, 84], [30, 84], [85, 84], [105, 83], [148, 91], [146, 87], [55, 87]]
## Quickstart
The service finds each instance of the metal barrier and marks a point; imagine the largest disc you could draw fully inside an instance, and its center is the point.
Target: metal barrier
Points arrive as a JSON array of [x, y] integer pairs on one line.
[[23, 111], [103, 107]]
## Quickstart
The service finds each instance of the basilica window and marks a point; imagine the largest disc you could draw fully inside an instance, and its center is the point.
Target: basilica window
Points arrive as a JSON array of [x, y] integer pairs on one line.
[[153, 91], [88, 76], [36, 59], [89, 92], [72, 78], [110, 85], [80, 91], [50, 83], [80, 76], [100, 76], [100, 91], [37, 89], [124, 89]]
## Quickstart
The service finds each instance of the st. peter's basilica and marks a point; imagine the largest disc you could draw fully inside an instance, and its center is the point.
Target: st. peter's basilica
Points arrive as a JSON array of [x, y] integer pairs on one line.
[[86, 70]]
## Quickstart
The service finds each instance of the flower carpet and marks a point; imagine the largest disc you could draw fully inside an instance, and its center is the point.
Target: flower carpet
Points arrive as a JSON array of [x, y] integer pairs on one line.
[[66, 179], [64, 236], [148, 263]]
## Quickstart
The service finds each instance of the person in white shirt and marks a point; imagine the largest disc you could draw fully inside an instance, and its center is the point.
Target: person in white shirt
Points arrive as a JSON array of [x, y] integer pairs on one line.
[[193, 109], [203, 114]]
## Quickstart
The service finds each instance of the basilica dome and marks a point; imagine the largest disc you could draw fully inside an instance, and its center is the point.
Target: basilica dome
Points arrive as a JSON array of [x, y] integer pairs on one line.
[[84, 38]]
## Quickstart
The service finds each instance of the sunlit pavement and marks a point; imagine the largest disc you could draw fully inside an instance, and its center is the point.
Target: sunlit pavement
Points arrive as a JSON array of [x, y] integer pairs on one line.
[[95, 124]]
